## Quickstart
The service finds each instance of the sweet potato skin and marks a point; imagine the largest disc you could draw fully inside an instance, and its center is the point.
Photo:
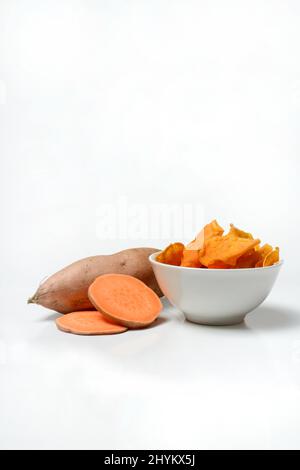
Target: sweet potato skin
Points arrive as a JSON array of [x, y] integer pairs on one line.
[[67, 290]]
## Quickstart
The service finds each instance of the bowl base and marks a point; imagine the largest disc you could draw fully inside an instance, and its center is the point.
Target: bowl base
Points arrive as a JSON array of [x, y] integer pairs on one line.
[[217, 321]]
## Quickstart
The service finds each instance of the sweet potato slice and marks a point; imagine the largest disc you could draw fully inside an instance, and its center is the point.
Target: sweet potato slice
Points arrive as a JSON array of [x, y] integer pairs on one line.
[[88, 322], [125, 300]]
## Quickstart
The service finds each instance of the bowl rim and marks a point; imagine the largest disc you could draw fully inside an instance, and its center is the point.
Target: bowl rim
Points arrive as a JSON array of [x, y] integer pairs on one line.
[[152, 259]]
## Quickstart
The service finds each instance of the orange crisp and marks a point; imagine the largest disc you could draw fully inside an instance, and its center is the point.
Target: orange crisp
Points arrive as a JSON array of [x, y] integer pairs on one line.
[[212, 249], [190, 257], [172, 254], [225, 249]]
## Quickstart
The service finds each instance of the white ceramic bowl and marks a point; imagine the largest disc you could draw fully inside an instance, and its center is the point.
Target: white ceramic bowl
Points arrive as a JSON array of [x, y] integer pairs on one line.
[[215, 296]]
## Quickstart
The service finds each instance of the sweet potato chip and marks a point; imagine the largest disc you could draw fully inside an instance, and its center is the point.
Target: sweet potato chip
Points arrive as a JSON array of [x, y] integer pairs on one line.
[[218, 265], [226, 249], [213, 250], [190, 257], [172, 254], [236, 232], [210, 230], [248, 260], [263, 252], [272, 257]]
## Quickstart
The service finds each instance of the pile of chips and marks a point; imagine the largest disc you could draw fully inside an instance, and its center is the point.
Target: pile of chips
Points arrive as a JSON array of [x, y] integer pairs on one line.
[[213, 250]]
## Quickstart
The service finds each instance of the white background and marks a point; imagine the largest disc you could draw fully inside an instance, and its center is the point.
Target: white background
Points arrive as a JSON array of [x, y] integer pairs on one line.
[[175, 102]]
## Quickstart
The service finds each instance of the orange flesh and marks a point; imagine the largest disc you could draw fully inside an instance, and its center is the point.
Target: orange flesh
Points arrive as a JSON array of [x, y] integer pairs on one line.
[[125, 300], [88, 322]]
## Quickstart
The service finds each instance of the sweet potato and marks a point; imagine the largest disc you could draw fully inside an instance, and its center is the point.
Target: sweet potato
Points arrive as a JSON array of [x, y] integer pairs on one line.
[[125, 300], [67, 290], [88, 323]]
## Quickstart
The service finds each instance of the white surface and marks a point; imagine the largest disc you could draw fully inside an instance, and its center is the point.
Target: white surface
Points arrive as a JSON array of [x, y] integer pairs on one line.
[[147, 102], [176, 385], [215, 296]]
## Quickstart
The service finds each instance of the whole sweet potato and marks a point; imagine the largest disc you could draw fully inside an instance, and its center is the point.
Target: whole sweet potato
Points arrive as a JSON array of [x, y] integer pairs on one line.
[[67, 290]]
